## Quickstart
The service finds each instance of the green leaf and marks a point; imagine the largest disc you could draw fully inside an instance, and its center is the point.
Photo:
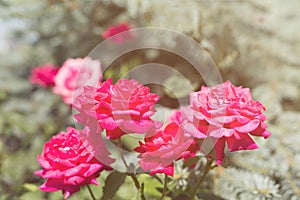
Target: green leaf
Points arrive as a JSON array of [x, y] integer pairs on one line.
[[112, 183]]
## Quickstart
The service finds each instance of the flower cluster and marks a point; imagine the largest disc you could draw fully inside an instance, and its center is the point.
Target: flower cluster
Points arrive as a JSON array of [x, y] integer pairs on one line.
[[223, 114], [70, 79], [219, 115], [76, 73]]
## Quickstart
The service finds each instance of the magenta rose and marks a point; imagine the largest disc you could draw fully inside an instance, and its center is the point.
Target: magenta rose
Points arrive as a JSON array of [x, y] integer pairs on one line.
[[124, 107], [67, 164], [115, 30], [162, 148], [225, 114], [74, 75], [44, 75]]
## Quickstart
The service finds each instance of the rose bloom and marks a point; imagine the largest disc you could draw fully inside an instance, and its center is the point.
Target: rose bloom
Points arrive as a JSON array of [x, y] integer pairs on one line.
[[44, 75], [114, 30], [224, 114], [162, 148], [67, 164], [86, 107], [74, 75], [124, 107]]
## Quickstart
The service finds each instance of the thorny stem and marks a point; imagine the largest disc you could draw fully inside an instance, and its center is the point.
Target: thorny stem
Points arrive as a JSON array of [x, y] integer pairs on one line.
[[207, 168], [165, 187], [91, 192], [139, 187]]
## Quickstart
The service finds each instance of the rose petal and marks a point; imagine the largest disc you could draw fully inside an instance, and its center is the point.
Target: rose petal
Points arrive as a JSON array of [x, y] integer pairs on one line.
[[247, 128], [242, 142]]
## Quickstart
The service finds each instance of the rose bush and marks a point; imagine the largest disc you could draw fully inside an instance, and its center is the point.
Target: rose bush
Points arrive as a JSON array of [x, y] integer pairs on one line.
[[219, 115]]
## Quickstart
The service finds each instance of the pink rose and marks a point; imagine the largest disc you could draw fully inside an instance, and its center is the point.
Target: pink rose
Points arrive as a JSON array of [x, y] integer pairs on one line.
[[91, 98], [225, 114], [114, 30], [162, 148], [74, 75], [44, 75], [67, 164], [125, 107]]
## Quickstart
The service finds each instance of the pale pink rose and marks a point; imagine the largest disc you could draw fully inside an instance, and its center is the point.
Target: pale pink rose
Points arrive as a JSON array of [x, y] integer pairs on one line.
[[121, 108], [115, 30], [74, 75], [68, 164], [44, 75], [162, 148], [225, 114]]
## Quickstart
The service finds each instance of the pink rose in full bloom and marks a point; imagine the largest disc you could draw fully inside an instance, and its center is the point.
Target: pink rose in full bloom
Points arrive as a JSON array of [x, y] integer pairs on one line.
[[124, 107], [225, 114], [67, 164], [74, 75], [164, 147], [44, 75], [114, 30]]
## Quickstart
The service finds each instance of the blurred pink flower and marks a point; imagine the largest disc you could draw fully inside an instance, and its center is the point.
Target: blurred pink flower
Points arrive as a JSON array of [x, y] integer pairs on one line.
[[125, 107], [67, 164], [114, 30], [225, 114], [44, 75], [74, 75], [162, 148]]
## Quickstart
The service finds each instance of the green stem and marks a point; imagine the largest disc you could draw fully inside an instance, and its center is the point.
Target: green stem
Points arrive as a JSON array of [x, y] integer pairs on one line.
[[142, 191], [121, 153], [165, 187], [207, 168], [91, 192], [157, 178], [132, 175]]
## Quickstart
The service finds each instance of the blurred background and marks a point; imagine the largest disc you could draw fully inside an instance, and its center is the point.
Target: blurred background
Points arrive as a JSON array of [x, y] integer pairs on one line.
[[254, 44]]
